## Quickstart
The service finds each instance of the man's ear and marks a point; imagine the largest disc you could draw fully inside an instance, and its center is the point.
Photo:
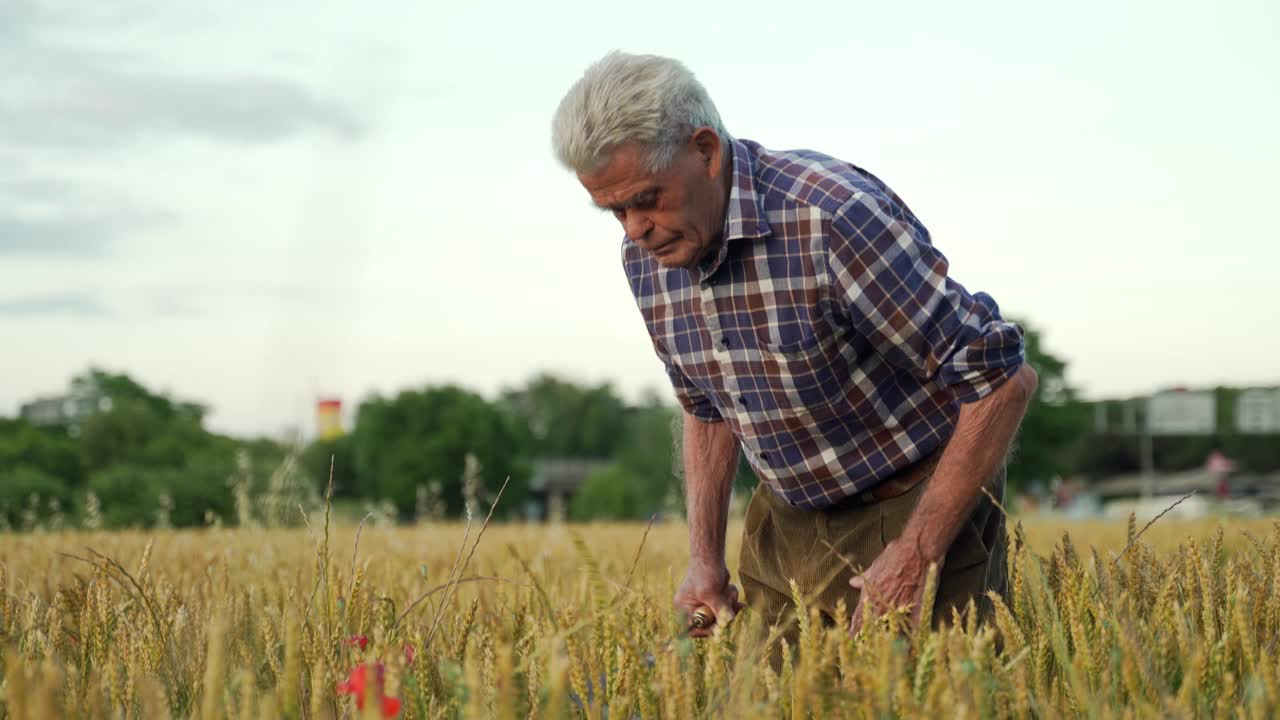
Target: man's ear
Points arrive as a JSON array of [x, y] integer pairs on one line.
[[706, 142]]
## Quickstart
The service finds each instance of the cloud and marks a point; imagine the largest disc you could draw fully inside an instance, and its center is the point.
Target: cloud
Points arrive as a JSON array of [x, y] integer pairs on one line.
[[19, 187], [175, 302], [86, 95], [107, 106], [24, 16], [79, 304], [64, 217], [54, 238]]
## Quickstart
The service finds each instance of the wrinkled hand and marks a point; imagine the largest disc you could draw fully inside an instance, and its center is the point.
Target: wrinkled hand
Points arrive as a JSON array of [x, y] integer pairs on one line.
[[896, 579], [707, 586]]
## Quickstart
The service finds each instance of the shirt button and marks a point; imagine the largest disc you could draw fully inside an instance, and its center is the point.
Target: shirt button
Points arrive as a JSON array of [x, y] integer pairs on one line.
[[764, 457], [724, 341], [742, 400]]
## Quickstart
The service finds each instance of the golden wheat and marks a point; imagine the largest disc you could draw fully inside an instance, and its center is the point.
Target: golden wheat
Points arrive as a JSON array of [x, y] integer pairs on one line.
[[575, 621]]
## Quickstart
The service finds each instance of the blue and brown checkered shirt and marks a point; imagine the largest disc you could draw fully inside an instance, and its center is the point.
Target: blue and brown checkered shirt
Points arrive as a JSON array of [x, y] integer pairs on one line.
[[825, 331]]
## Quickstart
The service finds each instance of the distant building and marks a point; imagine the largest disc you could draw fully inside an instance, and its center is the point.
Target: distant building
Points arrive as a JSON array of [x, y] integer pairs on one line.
[[69, 411], [1181, 412], [1182, 421], [554, 482], [329, 419], [1258, 411]]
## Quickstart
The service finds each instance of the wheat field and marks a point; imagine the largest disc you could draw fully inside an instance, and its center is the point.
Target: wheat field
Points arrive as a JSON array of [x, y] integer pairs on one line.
[[454, 620]]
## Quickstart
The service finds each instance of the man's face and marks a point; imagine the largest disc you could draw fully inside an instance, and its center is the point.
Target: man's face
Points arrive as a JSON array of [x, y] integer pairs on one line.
[[677, 215]]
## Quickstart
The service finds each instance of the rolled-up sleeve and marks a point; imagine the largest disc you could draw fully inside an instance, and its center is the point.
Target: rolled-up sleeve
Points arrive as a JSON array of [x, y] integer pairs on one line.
[[894, 287], [691, 398]]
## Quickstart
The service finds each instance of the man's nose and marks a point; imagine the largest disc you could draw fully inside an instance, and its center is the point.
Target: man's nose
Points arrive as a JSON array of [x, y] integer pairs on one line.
[[637, 225]]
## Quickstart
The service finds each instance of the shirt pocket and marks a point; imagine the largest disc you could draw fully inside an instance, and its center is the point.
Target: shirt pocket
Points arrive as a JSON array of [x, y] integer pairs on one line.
[[790, 341], [816, 376], [803, 370]]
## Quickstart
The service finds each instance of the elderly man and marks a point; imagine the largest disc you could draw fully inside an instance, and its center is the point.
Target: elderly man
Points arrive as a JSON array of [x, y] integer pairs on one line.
[[805, 318]]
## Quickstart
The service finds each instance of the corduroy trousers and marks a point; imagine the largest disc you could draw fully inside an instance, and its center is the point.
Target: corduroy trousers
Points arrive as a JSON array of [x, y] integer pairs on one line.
[[818, 550]]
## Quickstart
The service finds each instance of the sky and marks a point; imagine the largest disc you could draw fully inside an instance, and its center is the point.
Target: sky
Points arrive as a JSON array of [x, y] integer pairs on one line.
[[255, 204]]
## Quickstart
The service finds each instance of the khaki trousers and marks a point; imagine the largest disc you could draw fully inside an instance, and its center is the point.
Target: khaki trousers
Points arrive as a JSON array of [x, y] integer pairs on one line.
[[781, 542]]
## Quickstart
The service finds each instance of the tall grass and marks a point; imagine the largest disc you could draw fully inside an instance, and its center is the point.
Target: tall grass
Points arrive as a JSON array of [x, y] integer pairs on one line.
[[575, 621]]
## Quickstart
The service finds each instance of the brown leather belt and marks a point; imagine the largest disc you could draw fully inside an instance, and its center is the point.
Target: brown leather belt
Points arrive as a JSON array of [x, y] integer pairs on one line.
[[898, 484]]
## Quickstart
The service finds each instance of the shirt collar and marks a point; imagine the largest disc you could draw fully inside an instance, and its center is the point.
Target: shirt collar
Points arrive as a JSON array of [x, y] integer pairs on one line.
[[743, 217]]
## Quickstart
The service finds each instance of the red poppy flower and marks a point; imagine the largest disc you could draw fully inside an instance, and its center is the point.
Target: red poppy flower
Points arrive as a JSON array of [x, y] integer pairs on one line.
[[360, 641], [358, 684]]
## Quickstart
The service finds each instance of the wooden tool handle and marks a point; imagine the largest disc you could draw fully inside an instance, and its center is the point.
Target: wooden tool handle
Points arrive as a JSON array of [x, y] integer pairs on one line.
[[702, 618]]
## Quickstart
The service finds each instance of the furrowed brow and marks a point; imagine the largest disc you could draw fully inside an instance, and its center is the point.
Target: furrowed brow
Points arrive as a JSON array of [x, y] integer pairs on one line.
[[644, 197]]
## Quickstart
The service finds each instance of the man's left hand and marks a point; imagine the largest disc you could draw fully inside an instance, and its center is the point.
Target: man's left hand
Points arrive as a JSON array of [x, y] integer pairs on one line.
[[896, 579]]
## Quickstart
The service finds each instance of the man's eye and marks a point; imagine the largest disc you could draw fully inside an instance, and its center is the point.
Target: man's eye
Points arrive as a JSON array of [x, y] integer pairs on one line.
[[620, 214]]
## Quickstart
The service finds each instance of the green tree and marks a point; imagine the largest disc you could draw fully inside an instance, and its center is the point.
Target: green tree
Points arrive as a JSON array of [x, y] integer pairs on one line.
[[49, 450], [316, 463], [131, 495], [140, 427], [425, 435], [1056, 421], [25, 487], [613, 492], [637, 482], [562, 419], [203, 486]]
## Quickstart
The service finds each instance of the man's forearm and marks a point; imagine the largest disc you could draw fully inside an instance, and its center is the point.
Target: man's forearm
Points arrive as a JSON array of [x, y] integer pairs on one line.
[[710, 463], [980, 443]]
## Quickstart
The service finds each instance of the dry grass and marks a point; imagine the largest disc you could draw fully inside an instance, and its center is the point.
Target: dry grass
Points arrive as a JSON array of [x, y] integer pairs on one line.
[[568, 621]]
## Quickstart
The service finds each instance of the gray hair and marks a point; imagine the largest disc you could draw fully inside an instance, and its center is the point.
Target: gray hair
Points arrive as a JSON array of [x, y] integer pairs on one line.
[[647, 99]]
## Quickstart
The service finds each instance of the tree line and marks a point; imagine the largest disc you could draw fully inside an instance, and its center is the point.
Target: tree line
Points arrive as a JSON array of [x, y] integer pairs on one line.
[[147, 459]]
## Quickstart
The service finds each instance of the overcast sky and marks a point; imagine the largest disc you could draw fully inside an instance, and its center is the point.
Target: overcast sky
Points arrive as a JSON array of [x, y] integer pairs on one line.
[[251, 204]]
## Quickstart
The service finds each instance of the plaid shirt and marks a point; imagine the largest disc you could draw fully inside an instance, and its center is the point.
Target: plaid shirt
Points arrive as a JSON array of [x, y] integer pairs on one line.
[[825, 331]]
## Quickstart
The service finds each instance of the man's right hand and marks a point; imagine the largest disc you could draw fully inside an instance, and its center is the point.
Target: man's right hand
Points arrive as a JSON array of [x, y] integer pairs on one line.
[[708, 586], [710, 454]]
